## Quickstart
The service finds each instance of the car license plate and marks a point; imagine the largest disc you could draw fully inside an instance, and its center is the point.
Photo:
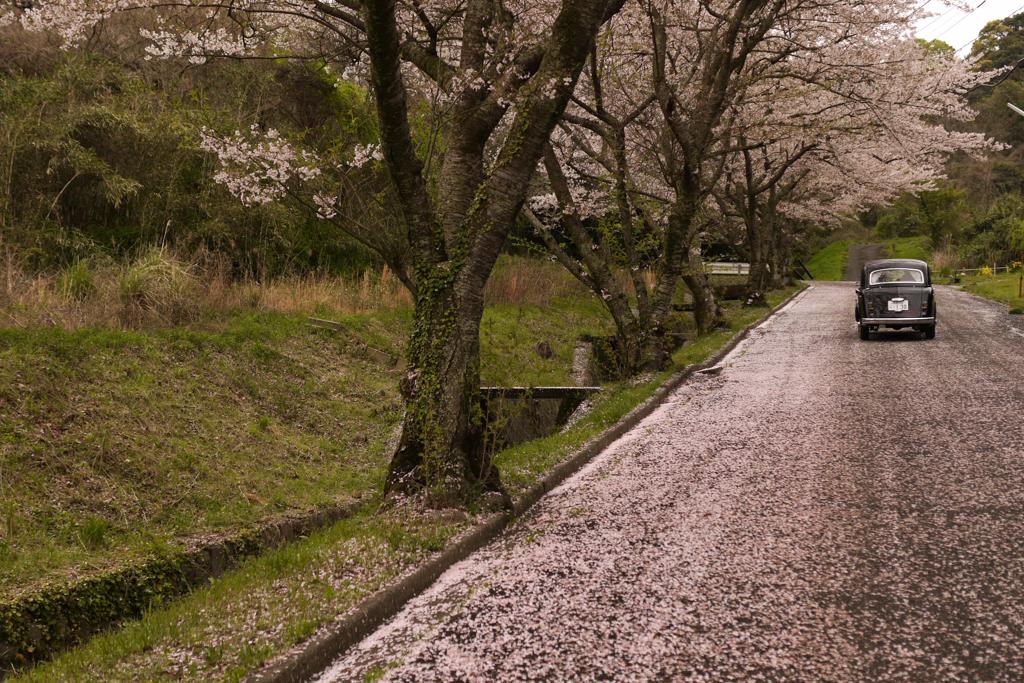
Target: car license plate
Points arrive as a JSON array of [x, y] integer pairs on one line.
[[899, 305]]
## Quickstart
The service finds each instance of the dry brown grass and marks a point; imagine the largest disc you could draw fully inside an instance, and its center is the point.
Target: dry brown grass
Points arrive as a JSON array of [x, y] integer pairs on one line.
[[160, 288], [299, 294], [521, 281], [945, 259]]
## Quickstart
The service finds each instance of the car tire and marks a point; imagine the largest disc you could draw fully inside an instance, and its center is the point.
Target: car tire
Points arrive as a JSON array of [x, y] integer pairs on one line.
[[929, 332], [865, 332]]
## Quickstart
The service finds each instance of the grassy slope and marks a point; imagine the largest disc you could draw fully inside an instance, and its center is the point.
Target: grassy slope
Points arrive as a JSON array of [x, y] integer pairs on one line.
[[1002, 287], [828, 263], [229, 628], [120, 445], [509, 336]]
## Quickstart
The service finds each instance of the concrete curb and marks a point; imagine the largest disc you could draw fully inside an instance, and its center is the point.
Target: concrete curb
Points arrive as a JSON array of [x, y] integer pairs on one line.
[[312, 656], [315, 654]]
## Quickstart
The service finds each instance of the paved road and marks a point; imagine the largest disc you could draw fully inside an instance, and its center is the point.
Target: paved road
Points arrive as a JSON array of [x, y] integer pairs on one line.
[[857, 256], [826, 509]]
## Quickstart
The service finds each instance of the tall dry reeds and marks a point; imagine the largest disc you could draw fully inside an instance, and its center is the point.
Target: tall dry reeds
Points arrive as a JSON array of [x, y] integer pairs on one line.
[[518, 280], [161, 288], [370, 292], [945, 260]]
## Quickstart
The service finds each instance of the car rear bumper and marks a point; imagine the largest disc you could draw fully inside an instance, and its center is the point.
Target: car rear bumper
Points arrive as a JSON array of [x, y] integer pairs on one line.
[[891, 322]]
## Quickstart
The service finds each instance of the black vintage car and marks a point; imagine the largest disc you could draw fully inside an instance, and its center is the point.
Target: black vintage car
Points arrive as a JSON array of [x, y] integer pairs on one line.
[[896, 293]]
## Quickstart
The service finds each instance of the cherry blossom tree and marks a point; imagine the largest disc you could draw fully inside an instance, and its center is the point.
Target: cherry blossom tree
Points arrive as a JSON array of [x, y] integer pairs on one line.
[[859, 125], [497, 74], [690, 113], [647, 132], [641, 138], [761, 104], [596, 166]]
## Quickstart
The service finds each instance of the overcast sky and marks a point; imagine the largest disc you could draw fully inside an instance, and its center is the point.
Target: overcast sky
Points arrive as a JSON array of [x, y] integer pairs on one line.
[[959, 28]]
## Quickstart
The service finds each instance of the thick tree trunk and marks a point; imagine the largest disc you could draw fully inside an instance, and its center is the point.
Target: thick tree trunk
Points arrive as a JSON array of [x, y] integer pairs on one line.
[[441, 448], [707, 314], [654, 351], [759, 280], [783, 259], [770, 256], [628, 347], [457, 230]]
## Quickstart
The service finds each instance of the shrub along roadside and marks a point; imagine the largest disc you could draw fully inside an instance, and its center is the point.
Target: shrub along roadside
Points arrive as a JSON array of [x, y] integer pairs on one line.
[[271, 602]]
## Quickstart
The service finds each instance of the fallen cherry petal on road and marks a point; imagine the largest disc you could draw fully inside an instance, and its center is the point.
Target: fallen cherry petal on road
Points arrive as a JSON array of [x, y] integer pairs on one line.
[[827, 509]]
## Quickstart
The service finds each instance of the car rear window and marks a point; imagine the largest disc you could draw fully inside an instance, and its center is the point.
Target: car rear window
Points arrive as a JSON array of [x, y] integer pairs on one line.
[[911, 276]]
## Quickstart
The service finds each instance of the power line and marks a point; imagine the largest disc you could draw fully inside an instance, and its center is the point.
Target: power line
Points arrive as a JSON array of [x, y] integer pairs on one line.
[[957, 22], [1002, 77], [969, 42], [936, 19]]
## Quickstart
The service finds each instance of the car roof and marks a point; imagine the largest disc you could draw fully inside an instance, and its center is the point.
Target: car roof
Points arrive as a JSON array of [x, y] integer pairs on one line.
[[895, 263]]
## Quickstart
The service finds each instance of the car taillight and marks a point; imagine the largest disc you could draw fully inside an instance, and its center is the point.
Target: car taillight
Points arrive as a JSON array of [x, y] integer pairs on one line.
[[924, 307]]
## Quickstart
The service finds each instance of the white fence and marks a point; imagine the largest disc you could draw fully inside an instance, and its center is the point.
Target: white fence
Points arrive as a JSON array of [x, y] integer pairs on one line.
[[723, 268], [994, 269]]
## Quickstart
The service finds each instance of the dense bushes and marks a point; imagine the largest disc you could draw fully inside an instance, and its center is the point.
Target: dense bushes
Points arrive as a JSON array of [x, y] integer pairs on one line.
[[961, 233], [101, 157]]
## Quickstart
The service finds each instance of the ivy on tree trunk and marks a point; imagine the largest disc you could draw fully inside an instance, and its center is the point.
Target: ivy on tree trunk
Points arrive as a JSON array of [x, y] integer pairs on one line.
[[457, 232]]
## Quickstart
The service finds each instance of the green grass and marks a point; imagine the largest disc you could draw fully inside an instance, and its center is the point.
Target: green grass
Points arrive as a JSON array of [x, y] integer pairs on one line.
[[509, 336], [909, 247], [828, 263], [1002, 288], [231, 627], [117, 446]]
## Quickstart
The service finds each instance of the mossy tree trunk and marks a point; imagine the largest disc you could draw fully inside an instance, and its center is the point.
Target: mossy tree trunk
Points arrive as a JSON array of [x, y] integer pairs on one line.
[[707, 313], [441, 447], [457, 229]]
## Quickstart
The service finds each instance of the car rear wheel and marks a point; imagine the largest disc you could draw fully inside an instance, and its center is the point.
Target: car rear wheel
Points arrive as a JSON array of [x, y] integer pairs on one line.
[[929, 332], [865, 332]]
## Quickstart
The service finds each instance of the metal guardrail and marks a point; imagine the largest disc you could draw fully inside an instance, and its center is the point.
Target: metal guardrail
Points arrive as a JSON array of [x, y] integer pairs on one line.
[[726, 268]]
